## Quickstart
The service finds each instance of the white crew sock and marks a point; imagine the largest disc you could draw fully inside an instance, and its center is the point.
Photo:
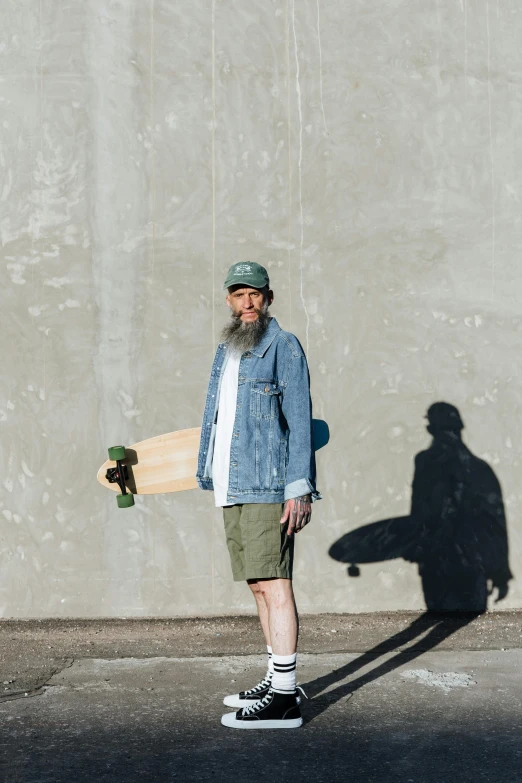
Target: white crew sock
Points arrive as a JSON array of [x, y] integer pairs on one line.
[[270, 669], [283, 678]]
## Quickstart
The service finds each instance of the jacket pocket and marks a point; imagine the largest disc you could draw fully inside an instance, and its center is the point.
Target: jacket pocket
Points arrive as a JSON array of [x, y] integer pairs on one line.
[[264, 399]]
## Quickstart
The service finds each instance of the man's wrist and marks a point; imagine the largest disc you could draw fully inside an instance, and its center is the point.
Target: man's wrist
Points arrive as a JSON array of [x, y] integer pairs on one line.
[[303, 498], [297, 489]]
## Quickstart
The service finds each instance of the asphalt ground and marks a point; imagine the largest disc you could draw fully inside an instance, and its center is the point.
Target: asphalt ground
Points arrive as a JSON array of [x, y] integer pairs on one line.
[[391, 697]]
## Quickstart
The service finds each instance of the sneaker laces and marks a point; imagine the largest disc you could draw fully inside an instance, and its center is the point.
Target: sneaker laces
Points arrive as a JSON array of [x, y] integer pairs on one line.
[[250, 709], [257, 705], [261, 686]]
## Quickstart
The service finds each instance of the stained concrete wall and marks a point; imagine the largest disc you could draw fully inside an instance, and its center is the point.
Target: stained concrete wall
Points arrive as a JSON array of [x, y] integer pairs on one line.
[[368, 152]]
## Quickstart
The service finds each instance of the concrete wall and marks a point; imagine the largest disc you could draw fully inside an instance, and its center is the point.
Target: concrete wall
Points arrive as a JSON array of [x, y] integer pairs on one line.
[[368, 153]]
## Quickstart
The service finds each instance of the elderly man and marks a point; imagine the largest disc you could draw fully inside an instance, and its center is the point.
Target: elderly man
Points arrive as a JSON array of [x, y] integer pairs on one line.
[[257, 455]]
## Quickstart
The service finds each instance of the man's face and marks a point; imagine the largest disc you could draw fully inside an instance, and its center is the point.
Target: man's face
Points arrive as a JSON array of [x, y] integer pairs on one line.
[[244, 302]]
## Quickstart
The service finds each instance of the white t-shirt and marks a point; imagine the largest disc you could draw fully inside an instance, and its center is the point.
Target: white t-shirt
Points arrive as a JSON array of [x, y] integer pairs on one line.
[[224, 429]]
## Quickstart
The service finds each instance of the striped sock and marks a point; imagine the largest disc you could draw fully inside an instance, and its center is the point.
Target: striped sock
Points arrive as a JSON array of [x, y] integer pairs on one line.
[[270, 670], [283, 678]]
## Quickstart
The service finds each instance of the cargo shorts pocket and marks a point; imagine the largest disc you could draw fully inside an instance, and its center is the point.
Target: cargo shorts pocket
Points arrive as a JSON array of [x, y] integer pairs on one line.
[[261, 531]]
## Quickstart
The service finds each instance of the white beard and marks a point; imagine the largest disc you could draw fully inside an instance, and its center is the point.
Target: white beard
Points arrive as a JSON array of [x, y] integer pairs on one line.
[[240, 336]]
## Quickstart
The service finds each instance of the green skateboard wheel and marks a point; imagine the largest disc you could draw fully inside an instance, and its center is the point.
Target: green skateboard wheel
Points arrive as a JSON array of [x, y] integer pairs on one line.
[[125, 501], [117, 452]]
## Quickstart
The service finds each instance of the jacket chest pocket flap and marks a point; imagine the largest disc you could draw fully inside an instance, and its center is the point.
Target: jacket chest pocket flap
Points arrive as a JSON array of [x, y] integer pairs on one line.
[[264, 399]]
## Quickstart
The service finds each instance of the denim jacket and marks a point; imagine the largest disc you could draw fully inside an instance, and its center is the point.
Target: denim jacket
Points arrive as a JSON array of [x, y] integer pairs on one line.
[[272, 458]]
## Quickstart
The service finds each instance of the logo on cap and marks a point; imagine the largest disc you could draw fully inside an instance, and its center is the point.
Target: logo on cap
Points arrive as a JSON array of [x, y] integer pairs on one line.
[[241, 269]]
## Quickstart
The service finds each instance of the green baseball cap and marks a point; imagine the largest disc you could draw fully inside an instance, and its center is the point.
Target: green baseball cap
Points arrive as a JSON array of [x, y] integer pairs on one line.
[[247, 273]]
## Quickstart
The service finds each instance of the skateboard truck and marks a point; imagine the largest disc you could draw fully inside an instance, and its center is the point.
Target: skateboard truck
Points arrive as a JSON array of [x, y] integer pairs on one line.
[[113, 475], [119, 475]]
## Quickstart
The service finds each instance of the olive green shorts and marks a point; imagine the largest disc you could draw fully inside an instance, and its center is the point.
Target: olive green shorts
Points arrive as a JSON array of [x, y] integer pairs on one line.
[[257, 542]]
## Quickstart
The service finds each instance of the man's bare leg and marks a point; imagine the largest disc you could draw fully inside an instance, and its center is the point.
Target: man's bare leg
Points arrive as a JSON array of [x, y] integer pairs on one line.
[[262, 609], [281, 612]]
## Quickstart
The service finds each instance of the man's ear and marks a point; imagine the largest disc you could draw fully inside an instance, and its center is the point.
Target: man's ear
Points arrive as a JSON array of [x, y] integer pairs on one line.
[[270, 297]]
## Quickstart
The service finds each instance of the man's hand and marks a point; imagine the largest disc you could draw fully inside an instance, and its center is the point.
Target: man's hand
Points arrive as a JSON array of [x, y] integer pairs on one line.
[[297, 513]]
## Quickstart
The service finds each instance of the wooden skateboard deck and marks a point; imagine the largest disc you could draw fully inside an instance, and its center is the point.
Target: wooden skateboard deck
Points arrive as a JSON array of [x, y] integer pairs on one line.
[[166, 463]]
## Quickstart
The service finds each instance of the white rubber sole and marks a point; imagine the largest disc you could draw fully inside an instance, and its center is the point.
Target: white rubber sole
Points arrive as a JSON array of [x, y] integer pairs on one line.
[[231, 721]]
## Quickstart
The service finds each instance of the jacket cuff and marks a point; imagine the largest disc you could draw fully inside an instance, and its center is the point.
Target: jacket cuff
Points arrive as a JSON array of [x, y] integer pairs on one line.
[[301, 487]]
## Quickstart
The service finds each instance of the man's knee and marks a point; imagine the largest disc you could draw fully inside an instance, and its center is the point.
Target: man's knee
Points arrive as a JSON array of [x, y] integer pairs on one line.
[[254, 586], [276, 591]]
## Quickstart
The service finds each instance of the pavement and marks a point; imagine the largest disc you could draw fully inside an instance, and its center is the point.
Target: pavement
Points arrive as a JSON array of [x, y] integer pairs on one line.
[[391, 697]]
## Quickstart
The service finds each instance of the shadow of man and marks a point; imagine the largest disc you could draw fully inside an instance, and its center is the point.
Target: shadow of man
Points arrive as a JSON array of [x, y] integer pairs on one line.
[[457, 534], [457, 512]]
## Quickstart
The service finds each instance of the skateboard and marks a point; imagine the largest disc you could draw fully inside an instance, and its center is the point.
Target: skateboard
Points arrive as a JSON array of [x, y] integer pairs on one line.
[[384, 540], [166, 463]]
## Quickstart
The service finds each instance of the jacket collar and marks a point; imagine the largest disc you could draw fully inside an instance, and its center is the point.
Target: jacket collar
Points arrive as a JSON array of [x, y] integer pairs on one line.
[[268, 338]]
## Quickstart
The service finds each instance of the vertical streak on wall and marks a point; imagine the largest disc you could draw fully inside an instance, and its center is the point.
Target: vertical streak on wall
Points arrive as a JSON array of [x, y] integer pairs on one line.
[[35, 224], [300, 179], [465, 47], [320, 48], [115, 277], [493, 215], [213, 143], [289, 142], [320, 65], [153, 151], [153, 214]]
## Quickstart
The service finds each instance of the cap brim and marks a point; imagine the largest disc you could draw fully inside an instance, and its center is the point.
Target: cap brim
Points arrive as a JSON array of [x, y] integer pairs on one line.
[[230, 283]]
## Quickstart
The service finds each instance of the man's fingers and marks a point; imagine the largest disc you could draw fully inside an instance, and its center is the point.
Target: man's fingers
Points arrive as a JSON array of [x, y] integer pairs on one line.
[[297, 513], [303, 521], [286, 514]]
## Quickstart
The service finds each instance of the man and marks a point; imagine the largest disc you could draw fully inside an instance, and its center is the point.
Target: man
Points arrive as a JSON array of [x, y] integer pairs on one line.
[[257, 455]]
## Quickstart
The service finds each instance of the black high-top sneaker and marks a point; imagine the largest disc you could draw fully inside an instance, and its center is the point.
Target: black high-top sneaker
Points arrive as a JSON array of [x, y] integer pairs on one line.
[[244, 698], [273, 711]]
